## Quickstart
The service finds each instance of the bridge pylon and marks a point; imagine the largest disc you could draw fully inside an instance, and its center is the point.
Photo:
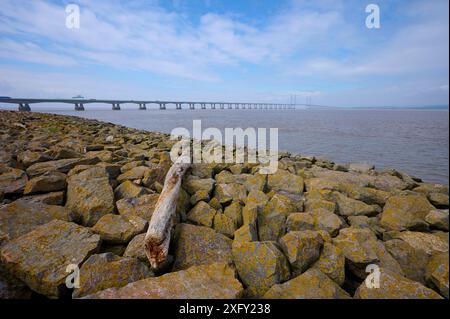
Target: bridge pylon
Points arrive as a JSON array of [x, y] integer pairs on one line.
[[24, 107], [116, 107], [142, 106], [79, 107]]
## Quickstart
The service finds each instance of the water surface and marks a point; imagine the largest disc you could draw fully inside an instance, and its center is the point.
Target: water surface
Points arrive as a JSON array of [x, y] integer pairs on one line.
[[414, 141]]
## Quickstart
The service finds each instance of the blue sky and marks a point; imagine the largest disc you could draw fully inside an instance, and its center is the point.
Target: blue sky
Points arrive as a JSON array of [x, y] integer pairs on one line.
[[255, 51]]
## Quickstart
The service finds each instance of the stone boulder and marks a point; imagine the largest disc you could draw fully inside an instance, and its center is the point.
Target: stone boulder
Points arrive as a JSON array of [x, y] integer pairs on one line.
[[117, 229], [62, 166], [312, 284], [361, 248], [438, 219], [282, 180], [142, 206], [202, 214], [12, 288], [28, 158], [429, 243], [395, 286], [226, 193], [234, 211], [302, 249], [260, 265], [13, 181], [53, 198], [103, 271], [246, 232], [22, 216], [438, 199], [318, 219], [129, 189], [272, 220], [347, 206], [89, 195], [332, 263], [133, 174], [436, 273], [214, 281], [413, 261], [48, 182], [193, 185], [40, 258], [224, 225], [198, 245], [404, 212], [136, 248]]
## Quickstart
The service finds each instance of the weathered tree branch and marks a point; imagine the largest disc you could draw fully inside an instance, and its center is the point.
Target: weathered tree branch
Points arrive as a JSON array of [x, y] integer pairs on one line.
[[157, 239]]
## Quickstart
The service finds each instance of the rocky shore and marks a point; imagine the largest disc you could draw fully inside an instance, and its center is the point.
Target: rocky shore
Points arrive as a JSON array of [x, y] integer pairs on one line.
[[80, 193]]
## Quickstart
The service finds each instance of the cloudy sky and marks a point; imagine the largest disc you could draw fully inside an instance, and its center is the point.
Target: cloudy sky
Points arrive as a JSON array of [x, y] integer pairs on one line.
[[252, 50]]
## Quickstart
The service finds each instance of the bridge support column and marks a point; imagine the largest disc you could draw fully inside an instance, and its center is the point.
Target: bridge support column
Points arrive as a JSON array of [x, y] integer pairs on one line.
[[192, 106], [230, 106], [178, 106], [24, 107], [222, 106], [213, 106], [203, 106], [142, 106], [79, 107], [116, 107]]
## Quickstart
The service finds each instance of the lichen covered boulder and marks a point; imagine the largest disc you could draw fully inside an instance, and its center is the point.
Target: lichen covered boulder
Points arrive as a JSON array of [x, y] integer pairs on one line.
[[40, 258], [436, 273], [214, 281], [142, 206], [332, 263], [22, 216], [117, 229], [395, 286], [48, 182], [13, 181], [413, 261], [198, 245], [426, 242], [106, 270], [302, 249], [404, 212], [361, 247], [202, 214], [260, 265], [283, 180], [226, 193], [90, 196], [272, 219], [312, 284]]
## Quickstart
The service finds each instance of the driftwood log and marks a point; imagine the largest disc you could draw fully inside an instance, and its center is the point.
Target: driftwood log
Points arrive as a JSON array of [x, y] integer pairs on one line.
[[157, 238]]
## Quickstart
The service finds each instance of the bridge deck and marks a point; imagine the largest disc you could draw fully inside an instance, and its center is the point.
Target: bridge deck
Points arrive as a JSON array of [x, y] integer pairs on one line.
[[24, 103]]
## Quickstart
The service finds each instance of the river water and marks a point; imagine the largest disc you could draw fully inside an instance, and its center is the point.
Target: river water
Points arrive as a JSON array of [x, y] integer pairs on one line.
[[413, 141]]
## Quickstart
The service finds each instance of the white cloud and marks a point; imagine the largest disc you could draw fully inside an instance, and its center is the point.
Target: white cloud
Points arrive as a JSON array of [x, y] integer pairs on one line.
[[296, 45]]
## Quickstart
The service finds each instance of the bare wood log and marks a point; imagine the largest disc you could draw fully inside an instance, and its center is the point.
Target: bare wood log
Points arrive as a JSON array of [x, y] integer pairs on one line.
[[157, 238]]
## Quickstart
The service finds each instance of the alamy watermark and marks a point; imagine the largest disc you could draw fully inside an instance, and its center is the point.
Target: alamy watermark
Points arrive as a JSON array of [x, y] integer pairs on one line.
[[72, 16], [73, 279], [373, 19], [236, 145], [373, 278]]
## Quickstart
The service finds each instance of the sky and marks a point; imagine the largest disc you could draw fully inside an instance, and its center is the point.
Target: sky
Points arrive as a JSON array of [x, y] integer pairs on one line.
[[236, 51]]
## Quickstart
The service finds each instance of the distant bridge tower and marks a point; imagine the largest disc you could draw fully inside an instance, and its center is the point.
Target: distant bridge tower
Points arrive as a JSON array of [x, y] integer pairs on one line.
[[24, 107], [79, 107]]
